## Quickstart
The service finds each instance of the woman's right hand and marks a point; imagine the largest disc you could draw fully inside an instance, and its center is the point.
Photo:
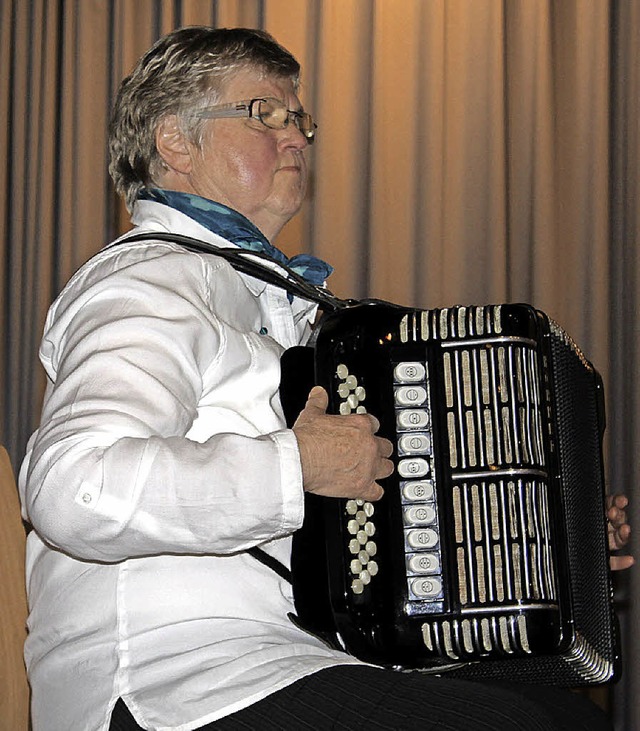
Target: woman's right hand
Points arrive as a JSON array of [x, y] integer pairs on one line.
[[341, 455]]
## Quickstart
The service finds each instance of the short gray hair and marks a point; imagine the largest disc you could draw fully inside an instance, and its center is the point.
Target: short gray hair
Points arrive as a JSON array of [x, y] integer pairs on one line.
[[182, 72]]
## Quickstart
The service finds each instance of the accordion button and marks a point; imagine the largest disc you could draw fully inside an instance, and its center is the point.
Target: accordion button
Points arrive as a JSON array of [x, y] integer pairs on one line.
[[412, 419], [363, 557], [353, 527], [357, 587], [409, 372], [425, 563], [418, 490], [342, 371], [352, 382], [365, 577], [351, 507], [354, 546], [343, 390], [426, 538], [361, 517], [416, 467], [427, 588], [371, 548], [372, 567], [422, 515], [415, 444], [355, 566], [410, 395]]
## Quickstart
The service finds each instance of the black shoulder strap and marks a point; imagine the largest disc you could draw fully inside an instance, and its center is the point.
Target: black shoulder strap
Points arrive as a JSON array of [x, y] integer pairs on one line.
[[247, 262], [270, 562]]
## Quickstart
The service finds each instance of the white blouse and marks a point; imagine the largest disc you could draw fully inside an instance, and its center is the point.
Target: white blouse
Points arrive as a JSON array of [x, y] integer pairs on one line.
[[161, 456]]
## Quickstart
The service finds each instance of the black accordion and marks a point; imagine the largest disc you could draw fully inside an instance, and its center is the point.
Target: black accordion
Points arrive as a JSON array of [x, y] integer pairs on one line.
[[487, 557]]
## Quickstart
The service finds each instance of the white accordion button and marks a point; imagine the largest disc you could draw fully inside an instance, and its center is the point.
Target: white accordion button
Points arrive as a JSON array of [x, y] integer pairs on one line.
[[415, 444], [426, 538], [357, 587], [353, 401], [420, 515], [411, 395], [342, 371], [418, 490], [409, 372], [425, 563], [427, 588], [416, 467], [413, 419], [343, 390]]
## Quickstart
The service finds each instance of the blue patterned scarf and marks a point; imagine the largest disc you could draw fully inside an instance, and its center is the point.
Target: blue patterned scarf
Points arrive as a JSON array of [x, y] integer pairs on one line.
[[234, 227]]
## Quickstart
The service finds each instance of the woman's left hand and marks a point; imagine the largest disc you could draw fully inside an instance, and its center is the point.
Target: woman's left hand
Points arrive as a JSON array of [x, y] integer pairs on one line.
[[619, 530]]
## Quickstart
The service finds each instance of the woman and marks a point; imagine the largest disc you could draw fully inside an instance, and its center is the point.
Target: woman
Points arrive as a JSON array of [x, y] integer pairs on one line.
[[162, 454]]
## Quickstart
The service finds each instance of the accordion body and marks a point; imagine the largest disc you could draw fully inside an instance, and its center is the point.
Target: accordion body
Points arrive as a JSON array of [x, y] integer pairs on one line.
[[487, 556]]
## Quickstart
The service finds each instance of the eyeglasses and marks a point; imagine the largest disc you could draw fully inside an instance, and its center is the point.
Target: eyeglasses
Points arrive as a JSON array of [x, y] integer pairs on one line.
[[271, 112]]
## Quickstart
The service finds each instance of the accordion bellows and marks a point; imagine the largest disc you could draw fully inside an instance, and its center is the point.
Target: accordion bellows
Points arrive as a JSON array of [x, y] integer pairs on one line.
[[487, 556]]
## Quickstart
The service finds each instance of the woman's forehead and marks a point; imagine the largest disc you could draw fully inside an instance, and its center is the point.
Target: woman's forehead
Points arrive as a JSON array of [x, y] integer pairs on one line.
[[249, 83]]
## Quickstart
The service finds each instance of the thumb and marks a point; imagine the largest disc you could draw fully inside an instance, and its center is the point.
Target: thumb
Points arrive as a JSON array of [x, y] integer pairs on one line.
[[318, 400]]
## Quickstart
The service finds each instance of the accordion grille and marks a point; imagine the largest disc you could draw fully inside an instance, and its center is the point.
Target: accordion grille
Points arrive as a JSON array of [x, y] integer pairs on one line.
[[503, 543], [493, 419]]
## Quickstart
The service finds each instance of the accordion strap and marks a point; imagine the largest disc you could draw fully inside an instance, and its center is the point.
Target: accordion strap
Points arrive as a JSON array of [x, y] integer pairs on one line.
[[271, 562], [248, 262]]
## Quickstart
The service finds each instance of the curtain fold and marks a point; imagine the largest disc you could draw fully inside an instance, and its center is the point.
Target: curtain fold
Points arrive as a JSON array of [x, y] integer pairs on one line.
[[467, 152], [624, 354]]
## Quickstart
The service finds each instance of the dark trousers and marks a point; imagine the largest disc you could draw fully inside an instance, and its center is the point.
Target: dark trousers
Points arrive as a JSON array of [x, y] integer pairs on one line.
[[352, 698]]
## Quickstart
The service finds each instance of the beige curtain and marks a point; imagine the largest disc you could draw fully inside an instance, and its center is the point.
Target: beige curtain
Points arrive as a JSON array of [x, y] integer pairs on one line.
[[469, 151]]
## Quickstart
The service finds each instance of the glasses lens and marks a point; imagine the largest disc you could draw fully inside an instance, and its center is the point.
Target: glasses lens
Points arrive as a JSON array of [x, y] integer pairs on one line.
[[305, 124], [273, 113]]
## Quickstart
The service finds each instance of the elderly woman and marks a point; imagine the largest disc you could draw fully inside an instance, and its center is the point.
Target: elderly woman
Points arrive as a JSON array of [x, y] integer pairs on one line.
[[162, 454]]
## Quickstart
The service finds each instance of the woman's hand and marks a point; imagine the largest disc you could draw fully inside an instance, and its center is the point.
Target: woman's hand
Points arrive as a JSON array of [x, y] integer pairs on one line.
[[619, 530], [341, 455]]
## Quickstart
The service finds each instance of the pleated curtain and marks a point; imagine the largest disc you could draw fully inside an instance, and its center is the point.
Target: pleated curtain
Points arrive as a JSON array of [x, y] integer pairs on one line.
[[468, 152]]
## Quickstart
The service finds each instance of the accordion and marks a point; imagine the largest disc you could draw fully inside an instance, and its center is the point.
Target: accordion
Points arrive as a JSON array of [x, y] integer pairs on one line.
[[487, 556]]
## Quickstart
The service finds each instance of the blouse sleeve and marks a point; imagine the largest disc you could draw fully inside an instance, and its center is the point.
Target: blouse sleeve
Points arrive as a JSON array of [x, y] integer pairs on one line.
[[111, 473]]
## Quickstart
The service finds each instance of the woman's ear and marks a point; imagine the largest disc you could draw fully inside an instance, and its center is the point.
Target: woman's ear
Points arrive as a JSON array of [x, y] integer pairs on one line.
[[172, 146]]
